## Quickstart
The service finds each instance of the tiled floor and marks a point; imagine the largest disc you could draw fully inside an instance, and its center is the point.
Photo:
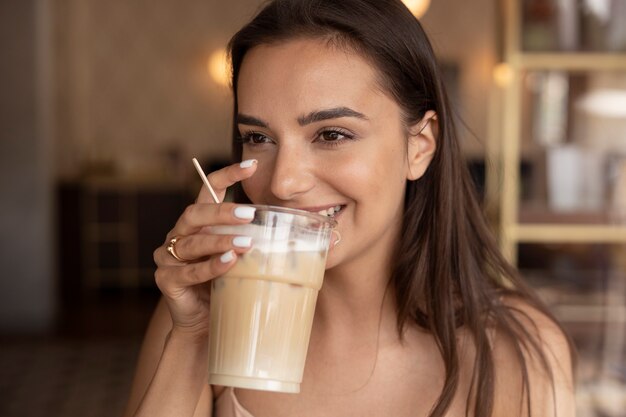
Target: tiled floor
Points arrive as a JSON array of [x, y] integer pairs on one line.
[[84, 368], [65, 378]]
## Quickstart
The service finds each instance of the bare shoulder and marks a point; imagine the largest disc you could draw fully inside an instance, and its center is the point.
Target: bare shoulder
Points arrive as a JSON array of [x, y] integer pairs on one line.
[[547, 360]]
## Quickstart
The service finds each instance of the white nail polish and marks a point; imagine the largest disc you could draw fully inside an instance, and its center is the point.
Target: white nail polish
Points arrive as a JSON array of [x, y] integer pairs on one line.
[[245, 212], [242, 241], [247, 163], [227, 257]]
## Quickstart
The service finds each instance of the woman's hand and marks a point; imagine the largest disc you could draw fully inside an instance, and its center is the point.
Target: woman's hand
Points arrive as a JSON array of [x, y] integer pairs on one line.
[[184, 283]]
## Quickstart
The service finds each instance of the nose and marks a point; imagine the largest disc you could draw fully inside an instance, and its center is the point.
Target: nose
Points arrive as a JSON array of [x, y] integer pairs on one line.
[[293, 174]]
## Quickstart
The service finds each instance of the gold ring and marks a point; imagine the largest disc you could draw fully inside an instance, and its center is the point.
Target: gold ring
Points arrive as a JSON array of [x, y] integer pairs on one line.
[[171, 248]]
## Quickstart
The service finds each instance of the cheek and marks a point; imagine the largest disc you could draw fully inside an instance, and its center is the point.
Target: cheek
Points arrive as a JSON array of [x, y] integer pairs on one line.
[[377, 171]]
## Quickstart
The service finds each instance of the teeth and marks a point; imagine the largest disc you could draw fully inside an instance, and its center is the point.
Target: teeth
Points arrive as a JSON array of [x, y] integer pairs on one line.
[[329, 212]]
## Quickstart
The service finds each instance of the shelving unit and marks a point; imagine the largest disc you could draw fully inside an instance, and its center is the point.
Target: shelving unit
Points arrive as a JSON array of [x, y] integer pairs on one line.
[[582, 61], [507, 151], [576, 259]]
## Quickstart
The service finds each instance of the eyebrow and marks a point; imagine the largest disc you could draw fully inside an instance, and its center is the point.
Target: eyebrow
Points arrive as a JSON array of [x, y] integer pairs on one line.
[[244, 119], [327, 114], [312, 117]]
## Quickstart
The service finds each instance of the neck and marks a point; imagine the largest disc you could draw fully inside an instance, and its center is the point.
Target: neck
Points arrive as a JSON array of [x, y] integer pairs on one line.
[[357, 297]]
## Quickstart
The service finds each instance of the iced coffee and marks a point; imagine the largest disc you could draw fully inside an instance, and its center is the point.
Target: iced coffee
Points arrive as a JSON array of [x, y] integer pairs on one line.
[[262, 309]]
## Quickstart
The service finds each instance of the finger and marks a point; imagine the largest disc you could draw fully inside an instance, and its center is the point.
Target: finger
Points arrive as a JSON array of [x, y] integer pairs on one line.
[[200, 246], [221, 179], [197, 216], [172, 279]]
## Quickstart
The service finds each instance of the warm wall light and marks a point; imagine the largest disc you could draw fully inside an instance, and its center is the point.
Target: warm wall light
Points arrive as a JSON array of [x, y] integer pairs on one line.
[[502, 74], [417, 7], [218, 67]]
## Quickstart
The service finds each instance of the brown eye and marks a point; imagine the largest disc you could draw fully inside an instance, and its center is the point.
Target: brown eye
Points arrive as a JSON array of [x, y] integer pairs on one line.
[[254, 138], [332, 136], [258, 138]]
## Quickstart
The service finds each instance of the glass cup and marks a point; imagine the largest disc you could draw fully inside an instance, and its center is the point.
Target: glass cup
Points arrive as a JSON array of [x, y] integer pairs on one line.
[[262, 309]]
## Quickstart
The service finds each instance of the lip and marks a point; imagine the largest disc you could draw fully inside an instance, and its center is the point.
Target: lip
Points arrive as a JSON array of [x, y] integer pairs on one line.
[[319, 208]]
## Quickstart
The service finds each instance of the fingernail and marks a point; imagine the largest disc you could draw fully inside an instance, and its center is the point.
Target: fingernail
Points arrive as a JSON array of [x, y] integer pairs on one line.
[[227, 257], [245, 212], [247, 163], [242, 241]]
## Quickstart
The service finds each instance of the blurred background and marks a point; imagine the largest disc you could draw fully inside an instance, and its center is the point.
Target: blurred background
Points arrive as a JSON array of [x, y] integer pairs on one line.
[[104, 103]]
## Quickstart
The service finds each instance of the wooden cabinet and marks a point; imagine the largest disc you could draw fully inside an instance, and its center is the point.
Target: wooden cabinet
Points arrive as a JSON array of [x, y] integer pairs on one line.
[[109, 229]]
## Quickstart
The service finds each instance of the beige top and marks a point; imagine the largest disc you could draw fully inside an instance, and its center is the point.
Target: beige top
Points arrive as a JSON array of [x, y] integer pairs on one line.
[[227, 405]]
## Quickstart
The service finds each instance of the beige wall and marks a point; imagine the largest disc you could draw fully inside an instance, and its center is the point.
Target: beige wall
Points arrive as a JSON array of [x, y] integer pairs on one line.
[[464, 32], [131, 79]]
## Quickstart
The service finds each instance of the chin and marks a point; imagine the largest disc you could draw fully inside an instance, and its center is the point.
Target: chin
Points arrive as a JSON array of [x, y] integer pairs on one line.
[[332, 259]]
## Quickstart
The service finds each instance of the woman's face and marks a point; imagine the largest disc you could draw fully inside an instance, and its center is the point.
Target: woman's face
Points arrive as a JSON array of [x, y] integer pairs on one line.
[[325, 136]]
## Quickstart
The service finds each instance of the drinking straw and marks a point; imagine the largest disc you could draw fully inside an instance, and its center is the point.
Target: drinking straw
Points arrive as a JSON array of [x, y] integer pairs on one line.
[[205, 180]]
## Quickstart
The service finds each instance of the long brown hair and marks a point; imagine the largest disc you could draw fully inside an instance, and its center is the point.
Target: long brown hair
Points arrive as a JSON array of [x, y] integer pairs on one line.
[[448, 271]]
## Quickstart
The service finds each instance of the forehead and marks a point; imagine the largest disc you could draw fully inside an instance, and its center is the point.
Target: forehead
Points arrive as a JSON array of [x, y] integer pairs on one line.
[[303, 74]]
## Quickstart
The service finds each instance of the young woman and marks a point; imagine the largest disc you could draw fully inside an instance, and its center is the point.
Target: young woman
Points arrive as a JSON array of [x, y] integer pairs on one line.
[[340, 103]]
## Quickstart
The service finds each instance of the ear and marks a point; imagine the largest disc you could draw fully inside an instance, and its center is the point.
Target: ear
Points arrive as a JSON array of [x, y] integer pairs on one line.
[[422, 143]]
